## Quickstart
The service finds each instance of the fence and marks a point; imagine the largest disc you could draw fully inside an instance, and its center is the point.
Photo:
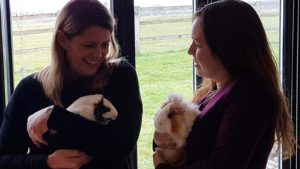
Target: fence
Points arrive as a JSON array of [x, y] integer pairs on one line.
[[143, 16]]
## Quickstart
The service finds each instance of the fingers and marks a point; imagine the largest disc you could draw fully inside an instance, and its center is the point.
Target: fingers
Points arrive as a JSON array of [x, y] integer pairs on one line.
[[157, 158], [37, 125], [37, 139], [68, 158]]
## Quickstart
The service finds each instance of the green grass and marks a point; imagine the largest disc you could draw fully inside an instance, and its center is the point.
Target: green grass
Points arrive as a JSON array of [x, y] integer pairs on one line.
[[160, 29], [163, 67], [160, 75]]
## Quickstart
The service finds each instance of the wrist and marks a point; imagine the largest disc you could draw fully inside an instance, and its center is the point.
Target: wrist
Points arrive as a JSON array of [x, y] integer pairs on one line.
[[49, 110]]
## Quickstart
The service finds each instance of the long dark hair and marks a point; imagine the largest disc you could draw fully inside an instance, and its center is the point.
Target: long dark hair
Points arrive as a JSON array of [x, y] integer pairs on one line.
[[235, 34]]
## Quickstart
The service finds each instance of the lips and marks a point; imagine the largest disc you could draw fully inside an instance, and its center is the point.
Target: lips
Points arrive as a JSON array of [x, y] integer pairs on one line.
[[92, 61]]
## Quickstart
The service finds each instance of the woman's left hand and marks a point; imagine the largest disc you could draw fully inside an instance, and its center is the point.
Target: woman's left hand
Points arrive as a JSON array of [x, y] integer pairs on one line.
[[37, 125], [157, 158]]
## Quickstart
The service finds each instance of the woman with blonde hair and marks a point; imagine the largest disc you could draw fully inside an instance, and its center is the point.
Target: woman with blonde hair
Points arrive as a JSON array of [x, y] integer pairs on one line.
[[53, 120], [243, 109]]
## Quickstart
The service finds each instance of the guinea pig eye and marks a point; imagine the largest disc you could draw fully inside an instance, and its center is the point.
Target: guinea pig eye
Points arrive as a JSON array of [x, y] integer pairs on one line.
[[171, 114]]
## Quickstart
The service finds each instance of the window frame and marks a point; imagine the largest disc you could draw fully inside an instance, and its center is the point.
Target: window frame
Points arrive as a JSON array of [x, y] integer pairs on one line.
[[6, 60], [289, 50]]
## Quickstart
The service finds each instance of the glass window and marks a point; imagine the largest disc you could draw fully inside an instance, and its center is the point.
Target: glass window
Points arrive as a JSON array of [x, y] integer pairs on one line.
[[162, 39], [163, 36]]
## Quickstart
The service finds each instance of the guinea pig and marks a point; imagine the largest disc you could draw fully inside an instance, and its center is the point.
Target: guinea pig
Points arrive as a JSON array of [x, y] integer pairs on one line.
[[176, 118], [103, 113]]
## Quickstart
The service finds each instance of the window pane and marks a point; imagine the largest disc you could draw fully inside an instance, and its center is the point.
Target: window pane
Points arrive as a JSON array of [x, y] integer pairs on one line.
[[163, 35], [33, 22], [163, 65]]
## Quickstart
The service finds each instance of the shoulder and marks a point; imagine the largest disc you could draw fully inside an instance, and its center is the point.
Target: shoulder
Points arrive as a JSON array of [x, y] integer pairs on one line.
[[27, 88], [123, 76], [252, 92], [250, 84], [122, 68], [29, 81]]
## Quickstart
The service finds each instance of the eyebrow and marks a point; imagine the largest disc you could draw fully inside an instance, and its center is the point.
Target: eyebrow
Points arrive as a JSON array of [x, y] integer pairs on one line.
[[107, 41], [196, 41]]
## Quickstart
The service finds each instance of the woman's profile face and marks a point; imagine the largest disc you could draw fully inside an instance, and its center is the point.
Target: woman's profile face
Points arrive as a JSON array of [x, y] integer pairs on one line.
[[205, 63], [85, 53]]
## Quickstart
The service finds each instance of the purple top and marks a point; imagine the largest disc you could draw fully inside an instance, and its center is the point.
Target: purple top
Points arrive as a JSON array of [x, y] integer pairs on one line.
[[235, 129]]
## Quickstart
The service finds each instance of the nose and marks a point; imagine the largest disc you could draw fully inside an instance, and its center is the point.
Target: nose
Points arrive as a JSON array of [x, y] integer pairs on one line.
[[192, 49], [98, 52], [114, 116]]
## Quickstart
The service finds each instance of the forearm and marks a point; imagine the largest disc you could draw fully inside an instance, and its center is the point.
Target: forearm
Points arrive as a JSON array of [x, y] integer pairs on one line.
[[98, 140], [24, 161]]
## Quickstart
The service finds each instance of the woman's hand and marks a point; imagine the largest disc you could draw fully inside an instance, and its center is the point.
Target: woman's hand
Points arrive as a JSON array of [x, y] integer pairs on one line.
[[157, 157], [85, 106], [163, 140], [67, 158], [37, 125]]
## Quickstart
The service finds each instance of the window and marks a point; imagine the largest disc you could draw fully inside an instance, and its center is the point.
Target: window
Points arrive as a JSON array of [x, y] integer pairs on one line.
[[32, 23], [163, 36]]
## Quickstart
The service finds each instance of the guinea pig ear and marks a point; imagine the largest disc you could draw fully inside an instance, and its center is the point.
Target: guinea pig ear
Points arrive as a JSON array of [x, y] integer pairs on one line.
[[175, 98], [164, 104], [174, 111]]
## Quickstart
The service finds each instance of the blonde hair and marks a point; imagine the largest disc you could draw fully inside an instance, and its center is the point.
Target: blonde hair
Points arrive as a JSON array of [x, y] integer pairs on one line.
[[241, 44], [73, 19]]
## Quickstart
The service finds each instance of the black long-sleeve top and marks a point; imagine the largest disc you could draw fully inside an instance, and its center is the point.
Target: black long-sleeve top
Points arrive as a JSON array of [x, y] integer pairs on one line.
[[110, 145], [235, 129]]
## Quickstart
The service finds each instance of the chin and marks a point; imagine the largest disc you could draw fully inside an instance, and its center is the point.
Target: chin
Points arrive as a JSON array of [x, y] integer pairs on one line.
[[88, 73], [199, 74]]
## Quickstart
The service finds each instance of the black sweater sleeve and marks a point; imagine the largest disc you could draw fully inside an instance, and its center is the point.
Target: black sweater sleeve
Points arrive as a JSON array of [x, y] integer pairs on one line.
[[14, 141], [109, 144]]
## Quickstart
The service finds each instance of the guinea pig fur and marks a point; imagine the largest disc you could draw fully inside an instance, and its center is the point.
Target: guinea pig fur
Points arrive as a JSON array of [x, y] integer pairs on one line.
[[176, 117]]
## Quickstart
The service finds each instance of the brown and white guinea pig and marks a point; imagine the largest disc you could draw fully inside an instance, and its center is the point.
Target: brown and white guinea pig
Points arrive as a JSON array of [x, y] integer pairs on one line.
[[176, 118]]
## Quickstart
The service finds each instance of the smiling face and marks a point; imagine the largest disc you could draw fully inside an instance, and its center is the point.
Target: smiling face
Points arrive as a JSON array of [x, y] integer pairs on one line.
[[206, 64], [86, 52]]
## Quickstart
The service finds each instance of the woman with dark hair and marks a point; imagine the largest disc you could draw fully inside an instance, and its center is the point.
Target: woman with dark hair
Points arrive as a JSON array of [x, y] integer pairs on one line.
[[243, 109], [51, 121]]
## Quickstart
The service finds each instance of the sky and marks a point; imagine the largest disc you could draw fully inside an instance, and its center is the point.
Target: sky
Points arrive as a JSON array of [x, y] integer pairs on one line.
[[46, 6], [37, 6], [147, 3]]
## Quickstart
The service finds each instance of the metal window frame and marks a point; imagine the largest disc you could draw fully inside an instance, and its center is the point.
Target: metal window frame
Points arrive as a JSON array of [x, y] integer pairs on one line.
[[124, 12], [289, 52], [6, 60], [125, 35]]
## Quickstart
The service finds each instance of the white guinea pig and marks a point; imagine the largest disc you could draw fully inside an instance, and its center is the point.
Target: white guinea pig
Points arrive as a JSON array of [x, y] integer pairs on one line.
[[176, 118]]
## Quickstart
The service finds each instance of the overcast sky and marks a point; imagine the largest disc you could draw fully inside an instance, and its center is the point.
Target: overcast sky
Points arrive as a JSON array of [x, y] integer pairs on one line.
[[53, 5], [37, 6]]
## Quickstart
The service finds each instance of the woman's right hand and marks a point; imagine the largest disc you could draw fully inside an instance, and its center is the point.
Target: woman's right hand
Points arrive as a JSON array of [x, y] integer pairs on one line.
[[67, 158], [37, 125]]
